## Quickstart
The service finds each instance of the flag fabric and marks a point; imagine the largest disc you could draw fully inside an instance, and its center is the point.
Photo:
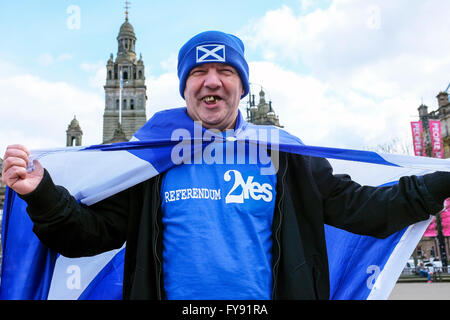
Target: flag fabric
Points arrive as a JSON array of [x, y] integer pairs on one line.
[[361, 267]]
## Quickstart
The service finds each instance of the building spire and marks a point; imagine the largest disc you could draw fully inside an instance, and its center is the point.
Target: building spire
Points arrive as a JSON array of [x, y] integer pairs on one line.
[[125, 101], [127, 6]]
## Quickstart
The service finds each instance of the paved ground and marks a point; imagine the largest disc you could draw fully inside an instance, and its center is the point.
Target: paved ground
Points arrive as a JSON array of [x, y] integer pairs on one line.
[[421, 291]]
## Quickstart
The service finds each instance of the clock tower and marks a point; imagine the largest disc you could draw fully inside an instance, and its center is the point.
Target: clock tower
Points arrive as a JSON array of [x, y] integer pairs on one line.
[[125, 89]]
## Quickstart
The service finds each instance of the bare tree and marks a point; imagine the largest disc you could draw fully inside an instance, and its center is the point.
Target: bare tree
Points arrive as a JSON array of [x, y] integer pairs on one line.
[[394, 146]]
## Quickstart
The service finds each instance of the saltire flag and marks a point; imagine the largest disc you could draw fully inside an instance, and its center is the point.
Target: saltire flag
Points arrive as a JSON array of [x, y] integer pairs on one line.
[[361, 267]]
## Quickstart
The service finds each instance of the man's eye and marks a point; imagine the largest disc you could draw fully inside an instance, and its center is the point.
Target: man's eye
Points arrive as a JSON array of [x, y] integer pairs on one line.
[[197, 72], [227, 71]]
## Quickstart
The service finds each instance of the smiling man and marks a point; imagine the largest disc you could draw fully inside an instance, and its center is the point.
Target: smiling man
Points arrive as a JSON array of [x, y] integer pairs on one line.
[[213, 78], [212, 93], [221, 231]]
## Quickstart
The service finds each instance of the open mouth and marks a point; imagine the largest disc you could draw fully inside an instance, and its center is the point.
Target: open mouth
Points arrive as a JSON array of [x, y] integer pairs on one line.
[[211, 99]]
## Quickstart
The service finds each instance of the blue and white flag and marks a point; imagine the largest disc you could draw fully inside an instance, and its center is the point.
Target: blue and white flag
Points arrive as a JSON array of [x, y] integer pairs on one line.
[[361, 267]]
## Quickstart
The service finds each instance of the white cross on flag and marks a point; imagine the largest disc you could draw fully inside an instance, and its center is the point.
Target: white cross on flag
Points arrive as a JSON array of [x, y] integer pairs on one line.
[[211, 53]]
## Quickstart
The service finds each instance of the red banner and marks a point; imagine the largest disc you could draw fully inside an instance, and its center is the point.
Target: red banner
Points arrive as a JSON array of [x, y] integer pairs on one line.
[[418, 141], [438, 152], [445, 218], [435, 135], [436, 139]]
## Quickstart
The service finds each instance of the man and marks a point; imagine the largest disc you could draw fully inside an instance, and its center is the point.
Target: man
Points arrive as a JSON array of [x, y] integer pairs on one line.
[[423, 272], [268, 244]]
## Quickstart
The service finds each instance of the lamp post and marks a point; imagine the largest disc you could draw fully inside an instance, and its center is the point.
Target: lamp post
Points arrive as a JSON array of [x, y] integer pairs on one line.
[[441, 240]]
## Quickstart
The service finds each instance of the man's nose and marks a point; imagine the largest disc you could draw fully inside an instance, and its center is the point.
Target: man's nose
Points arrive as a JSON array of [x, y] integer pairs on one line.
[[212, 80]]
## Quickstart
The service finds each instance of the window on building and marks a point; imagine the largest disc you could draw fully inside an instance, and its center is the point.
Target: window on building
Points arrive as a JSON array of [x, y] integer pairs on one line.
[[132, 104], [124, 104]]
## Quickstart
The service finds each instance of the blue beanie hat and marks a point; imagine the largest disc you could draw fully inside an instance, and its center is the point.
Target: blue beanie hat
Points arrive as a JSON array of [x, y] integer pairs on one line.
[[212, 46]]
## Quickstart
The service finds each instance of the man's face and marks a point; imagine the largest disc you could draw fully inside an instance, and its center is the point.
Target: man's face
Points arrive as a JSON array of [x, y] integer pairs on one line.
[[212, 94]]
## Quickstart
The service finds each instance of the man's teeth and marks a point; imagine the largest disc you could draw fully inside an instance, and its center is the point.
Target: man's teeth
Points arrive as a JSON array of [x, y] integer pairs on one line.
[[210, 99]]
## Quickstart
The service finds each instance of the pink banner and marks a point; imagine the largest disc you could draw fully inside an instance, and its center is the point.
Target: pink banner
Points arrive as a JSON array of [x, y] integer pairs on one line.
[[418, 141], [445, 218], [436, 139]]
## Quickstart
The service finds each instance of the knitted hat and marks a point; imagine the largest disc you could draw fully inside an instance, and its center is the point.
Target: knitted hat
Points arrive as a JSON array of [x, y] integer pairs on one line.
[[209, 47]]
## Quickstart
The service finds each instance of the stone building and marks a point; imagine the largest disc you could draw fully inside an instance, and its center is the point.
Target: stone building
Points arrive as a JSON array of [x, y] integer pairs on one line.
[[428, 247], [443, 114], [74, 133], [261, 113], [125, 93], [130, 97], [117, 126]]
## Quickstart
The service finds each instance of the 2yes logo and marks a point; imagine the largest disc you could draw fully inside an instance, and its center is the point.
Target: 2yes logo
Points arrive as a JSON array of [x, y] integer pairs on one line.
[[249, 188]]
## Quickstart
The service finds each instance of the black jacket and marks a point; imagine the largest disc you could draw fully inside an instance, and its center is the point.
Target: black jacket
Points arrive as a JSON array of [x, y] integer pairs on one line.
[[309, 195]]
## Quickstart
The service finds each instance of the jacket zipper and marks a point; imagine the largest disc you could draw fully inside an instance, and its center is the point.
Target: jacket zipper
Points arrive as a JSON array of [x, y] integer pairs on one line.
[[277, 234], [155, 242]]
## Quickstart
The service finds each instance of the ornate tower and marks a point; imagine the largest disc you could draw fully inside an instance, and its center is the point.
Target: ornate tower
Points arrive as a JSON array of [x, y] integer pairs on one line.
[[443, 115], [74, 133], [262, 113], [125, 89]]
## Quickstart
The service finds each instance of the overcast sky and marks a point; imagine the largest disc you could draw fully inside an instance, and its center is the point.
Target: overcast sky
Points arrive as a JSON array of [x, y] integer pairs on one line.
[[339, 73]]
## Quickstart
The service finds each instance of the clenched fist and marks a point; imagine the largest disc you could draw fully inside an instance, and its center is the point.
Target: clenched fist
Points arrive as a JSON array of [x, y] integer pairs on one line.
[[15, 174]]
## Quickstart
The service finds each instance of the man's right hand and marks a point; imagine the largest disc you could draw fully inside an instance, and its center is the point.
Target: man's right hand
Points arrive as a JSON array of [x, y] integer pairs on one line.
[[14, 173]]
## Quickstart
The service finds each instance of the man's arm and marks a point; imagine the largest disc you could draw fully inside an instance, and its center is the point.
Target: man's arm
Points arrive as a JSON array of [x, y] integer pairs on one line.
[[60, 222], [73, 229], [379, 211]]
